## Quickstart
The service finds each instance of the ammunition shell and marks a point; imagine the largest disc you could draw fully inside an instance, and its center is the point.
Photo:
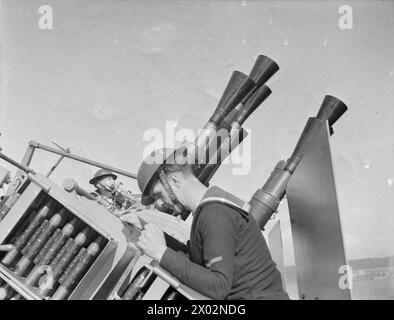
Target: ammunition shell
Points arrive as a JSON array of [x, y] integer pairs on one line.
[[35, 236], [171, 296], [82, 265], [17, 296], [47, 245], [75, 271], [6, 292], [59, 255], [27, 233], [59, 239], [33, 276], [140, 296], [71, 265], [56, 269], [54, 249], [135, 286], [60, 294], [44, 236], [65, 256], [62, 260], [38, 243]]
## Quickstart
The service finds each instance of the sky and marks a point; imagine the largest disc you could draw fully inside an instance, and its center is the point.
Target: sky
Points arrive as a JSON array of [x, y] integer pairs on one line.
[[110, 72]]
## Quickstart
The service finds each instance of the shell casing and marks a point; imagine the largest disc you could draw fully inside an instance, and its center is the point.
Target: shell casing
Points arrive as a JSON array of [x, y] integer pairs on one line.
[[136, 285]]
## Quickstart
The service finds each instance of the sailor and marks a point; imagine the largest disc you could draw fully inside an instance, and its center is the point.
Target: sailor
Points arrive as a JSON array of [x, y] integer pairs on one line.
[[227, 256], [111, 195], [104, 182]]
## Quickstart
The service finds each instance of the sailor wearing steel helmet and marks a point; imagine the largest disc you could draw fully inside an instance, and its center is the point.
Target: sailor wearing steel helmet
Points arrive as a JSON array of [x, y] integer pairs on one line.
[[227, 256], [111, 195], [104, 182]]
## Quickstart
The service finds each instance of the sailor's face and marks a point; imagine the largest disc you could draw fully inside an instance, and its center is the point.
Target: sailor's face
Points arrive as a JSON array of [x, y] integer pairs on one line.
[[163, 202], [107, 183]]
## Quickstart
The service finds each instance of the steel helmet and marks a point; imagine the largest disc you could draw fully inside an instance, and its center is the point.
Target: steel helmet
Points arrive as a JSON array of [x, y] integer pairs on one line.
[[100, 174], [149, 171]]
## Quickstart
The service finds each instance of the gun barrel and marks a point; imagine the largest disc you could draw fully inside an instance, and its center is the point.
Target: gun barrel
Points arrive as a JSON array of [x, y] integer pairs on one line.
[[219, 154], [266, 200], [238, 87], [250, 106], [331, 109], [228, 121], [222, 111], [236, 79], [263, 69], [70, 185]]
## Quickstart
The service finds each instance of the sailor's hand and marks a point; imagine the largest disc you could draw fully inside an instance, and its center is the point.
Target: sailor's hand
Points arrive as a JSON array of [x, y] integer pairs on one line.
[[152, 242], [131, 218]]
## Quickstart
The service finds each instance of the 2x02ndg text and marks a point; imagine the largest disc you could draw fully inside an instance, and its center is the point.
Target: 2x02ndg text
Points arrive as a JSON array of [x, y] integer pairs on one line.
[[198, 309]]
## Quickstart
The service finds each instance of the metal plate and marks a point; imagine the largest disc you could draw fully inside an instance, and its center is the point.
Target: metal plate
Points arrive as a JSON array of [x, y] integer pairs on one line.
[[276, 249], [157, 289], [316, 226]]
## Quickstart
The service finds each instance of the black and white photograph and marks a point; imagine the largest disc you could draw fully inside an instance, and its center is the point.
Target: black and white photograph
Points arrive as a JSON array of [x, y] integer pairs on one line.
[[196, 151]]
